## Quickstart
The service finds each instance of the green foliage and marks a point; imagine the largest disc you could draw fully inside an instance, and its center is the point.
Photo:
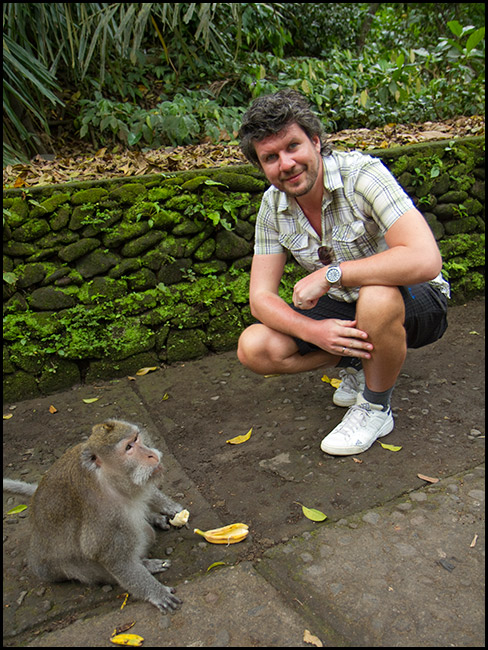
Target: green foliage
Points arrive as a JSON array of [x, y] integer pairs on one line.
[[156, 74]]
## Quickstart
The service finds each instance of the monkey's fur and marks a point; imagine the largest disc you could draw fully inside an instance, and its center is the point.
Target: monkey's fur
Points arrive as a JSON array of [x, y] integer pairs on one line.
[[90, 515]]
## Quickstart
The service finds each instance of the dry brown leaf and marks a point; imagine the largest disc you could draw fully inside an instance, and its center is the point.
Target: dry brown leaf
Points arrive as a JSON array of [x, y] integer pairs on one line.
[[313, 640], [473, 543], [429, 479], [53, 409], [357, 460]]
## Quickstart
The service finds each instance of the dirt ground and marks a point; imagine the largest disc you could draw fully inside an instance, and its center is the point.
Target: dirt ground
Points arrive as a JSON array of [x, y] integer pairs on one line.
[[192, 409]]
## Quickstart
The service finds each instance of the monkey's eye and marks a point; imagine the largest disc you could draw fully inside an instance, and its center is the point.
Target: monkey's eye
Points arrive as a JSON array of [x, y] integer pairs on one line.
[[129, 445]]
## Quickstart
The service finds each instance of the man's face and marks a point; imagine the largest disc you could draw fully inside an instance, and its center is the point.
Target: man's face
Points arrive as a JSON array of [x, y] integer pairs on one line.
[[290, 160]]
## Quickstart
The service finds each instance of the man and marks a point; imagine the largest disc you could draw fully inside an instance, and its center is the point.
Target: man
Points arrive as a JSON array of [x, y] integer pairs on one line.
[[374, 286]]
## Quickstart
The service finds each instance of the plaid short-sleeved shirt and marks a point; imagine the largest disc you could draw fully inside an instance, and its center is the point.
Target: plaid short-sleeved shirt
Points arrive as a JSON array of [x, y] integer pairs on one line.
[[361, 201]]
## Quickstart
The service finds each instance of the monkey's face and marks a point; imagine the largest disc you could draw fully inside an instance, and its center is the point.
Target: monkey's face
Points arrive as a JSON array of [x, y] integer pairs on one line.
[[141, 461]]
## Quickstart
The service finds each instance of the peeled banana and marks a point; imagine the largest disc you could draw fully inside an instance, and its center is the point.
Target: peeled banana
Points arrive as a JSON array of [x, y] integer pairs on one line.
[[180, 519], [226, 535]]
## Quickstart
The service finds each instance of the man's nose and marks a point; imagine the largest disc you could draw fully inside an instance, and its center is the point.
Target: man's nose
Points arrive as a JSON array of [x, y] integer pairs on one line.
[[286, 161]]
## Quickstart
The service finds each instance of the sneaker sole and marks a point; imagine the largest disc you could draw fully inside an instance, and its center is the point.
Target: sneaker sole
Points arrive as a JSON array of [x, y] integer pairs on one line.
[[357, 449]]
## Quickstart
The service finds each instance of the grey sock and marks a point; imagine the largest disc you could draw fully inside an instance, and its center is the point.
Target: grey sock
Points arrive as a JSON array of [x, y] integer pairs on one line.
[[378, 398]]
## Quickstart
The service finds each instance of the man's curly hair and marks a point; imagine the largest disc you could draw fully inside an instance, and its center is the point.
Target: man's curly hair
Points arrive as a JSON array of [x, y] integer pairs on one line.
[[270, 114]]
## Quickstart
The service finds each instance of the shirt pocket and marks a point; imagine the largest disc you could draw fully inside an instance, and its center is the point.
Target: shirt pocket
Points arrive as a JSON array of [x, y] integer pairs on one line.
[[294, 242], [348, 233]]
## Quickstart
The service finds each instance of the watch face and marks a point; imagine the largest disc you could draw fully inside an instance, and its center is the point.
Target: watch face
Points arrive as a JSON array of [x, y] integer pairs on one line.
[[333, 274]]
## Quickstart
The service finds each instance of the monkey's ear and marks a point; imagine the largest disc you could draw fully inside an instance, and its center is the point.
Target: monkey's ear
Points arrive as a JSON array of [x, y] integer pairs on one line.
[[89, 460]]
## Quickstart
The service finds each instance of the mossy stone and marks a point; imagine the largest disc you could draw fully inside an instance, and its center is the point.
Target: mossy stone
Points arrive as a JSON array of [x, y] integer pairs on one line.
[[103, 289], [230, 246], [78, 249], [123, 233], [240, 182], [224, 331], [30, 274], [92, 195], [97, 262], [50, 299], [129, 192], [184, 345], [30, 230], [469, 224], [19, 212], [19, 386], [205, 251], [137, 246], [109, 368], [166, 219], [49, 205], [59, 375]]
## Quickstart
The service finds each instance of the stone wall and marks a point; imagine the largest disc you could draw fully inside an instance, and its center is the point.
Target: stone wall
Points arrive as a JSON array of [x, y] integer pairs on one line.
[[103, 278]]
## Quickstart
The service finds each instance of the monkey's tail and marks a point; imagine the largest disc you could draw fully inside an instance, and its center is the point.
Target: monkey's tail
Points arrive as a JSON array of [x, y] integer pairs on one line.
[[19, 487]]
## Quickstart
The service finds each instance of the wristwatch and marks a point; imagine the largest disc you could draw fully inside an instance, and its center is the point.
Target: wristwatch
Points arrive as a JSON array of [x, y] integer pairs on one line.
[[333, 275]]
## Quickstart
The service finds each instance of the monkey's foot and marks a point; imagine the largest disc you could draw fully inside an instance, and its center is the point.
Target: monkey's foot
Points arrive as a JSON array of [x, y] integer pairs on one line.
[[156, 566]]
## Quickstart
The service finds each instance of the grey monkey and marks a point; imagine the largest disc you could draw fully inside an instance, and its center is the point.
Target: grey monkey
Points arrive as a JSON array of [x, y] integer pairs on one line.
[[92, 511]]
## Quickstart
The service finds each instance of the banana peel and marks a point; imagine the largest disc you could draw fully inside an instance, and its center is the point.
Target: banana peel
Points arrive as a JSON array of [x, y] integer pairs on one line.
[[230, 534]]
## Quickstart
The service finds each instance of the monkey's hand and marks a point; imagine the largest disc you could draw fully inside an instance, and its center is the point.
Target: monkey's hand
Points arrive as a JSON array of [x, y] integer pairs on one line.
[[158, 520], [166, 601], [156, 566]]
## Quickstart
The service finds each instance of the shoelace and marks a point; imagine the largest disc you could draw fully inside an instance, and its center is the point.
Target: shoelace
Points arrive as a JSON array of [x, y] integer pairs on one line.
[[349, 381], [355, 417]]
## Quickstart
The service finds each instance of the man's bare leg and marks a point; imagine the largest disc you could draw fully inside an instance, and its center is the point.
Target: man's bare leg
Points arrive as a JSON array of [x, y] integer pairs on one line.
[[266, 351]]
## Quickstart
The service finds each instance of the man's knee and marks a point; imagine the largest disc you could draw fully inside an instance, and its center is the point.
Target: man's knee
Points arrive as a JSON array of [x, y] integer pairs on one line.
[[380, 303]]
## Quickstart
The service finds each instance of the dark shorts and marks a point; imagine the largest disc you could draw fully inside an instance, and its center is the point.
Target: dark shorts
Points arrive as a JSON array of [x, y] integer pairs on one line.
[[425, 315]]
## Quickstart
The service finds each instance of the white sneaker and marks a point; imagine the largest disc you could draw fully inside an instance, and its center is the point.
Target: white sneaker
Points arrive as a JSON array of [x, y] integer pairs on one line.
[[352, 383], [360, 427]]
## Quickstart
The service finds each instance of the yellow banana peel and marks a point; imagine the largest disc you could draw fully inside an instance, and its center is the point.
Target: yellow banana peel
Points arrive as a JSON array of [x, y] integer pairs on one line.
[[226, 535]]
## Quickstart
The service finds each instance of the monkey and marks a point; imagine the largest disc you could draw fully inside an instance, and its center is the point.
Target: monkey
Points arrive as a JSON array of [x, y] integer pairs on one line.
[[92, 514]]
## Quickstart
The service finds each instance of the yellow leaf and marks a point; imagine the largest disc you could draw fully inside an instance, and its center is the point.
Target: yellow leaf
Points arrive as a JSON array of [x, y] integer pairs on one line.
[[312, 513], [127, 639], [17, 509], [144, 371], [165, 397], [267, 376], [389, 447], [8, 416], [239, 439], [53, 409], [216, 564], [90, 400], [335, 383]]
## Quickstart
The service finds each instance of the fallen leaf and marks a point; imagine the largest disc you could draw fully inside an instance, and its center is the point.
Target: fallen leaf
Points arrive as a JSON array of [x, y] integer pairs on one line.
[[90, 400], [312, 513], [335, 383], [215, 564], [8, 416], [357, 460], [53, 409], [389, 447], [429, 479], [131, 378], [313, 640], [473, 543], [123, 628], [239, 439], [144, 371], [126, 598], [127, 639], [17, 509], [165, 397], [474, 332], [267, 376]]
